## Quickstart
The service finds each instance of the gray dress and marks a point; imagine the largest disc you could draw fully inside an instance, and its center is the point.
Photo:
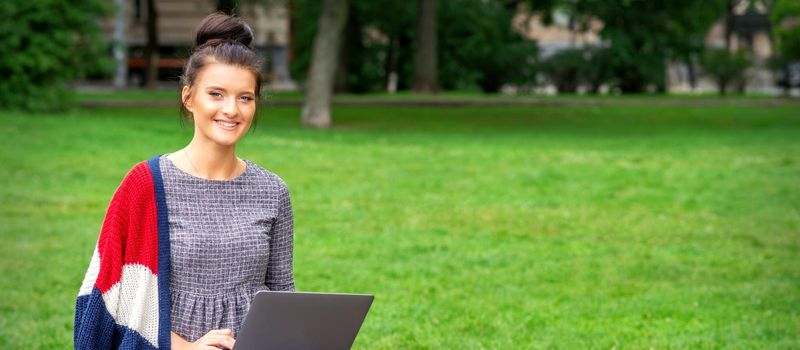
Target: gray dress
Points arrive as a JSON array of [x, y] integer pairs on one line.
[[228, 240]]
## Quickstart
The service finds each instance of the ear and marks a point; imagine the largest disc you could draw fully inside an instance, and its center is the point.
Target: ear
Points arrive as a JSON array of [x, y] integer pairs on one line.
[[186, 98]]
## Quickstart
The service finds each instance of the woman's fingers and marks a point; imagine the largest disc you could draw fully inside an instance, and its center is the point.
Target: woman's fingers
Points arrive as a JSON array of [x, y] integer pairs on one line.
[[225, 331], [218, 340]]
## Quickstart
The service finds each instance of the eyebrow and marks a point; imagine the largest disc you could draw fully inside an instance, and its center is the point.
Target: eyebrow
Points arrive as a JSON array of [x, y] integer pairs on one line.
[[213, 87]]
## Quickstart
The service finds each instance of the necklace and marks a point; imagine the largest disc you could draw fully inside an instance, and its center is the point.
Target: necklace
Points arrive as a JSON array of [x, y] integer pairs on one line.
[[186, 153]]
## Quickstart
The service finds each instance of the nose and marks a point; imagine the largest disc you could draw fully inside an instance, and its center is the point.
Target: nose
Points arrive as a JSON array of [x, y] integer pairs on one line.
[[229, 107]]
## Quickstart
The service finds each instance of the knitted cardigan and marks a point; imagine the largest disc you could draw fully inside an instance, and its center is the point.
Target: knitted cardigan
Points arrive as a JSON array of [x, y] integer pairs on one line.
[[124, 302]]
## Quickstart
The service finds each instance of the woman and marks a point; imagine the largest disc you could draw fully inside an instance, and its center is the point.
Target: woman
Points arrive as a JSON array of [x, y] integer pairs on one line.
[[191, 236]]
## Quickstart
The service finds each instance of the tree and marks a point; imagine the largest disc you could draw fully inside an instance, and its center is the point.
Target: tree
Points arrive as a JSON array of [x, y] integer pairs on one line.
[[45, 43], [643, 35], [785, 19], [151, 48], [120, 45], [382, 63], [476, 45], [564, 69], [316, 107], [230, 7], [726, 67], [479, 48], [425, 64]]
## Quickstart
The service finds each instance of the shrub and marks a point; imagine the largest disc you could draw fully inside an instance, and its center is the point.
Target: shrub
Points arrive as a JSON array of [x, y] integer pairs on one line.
[[564, 69], [726, 67], [45, 43]]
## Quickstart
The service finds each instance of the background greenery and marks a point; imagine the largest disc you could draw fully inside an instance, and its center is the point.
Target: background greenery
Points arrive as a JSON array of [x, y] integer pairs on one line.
[[46, 43], [482, 227], [478, 50]]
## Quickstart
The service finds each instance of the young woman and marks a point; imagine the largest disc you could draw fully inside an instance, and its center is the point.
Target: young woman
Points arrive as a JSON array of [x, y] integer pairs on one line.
[[189, 237]]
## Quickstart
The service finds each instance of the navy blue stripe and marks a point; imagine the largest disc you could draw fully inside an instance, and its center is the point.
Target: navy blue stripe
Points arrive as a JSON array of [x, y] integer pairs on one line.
[[163, 255], [96, 329]]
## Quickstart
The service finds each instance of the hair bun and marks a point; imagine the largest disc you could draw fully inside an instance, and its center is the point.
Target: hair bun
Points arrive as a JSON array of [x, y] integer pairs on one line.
[[218, 28]]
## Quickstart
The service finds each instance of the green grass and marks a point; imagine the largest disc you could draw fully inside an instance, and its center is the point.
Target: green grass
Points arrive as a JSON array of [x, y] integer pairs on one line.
[[556, 227]]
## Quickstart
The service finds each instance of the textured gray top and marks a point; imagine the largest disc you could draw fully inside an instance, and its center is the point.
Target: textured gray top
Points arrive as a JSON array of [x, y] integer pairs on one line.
[[228, 240]]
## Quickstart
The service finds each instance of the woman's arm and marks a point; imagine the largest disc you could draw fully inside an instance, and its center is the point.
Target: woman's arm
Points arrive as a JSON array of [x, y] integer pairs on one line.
[[280, 275], [177, 343]]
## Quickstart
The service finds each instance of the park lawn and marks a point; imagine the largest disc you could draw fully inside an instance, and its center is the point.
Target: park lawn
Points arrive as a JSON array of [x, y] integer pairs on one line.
[[527, 227]]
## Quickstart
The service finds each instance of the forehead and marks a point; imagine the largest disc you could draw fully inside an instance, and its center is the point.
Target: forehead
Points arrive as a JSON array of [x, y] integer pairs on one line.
[[227, 76]]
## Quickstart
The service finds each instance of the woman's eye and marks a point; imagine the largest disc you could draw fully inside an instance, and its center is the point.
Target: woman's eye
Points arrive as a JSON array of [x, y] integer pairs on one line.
[[247, 98], [215, 94]]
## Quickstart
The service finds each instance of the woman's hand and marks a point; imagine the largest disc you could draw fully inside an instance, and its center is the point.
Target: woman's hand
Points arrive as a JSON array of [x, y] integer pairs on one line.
[[213, 340]]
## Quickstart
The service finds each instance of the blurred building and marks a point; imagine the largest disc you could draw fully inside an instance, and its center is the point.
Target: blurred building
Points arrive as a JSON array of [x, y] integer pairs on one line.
[[563, 33], [748, 29], [176, 21]]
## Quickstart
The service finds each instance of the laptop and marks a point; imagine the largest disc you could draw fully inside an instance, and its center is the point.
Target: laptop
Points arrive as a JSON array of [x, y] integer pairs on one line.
[[302, 321]]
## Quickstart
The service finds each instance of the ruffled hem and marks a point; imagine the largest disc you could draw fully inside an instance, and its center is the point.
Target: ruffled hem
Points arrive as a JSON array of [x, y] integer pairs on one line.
[[194, 314]]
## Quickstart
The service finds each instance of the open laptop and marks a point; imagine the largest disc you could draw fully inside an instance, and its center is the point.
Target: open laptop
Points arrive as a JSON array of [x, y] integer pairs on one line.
[[302, 321]]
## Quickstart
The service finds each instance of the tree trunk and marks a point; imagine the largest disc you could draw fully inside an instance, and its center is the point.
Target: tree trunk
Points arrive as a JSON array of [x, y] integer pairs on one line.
[[390, 65], [316, 107], [729, 13], [691, 72], [120, 46], [426, 78], [151, 50], [350, 36], [722, 85], [340, 77]]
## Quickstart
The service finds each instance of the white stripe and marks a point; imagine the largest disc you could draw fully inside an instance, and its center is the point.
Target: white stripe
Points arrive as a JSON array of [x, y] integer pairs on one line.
[[91, 275], [133, 301]]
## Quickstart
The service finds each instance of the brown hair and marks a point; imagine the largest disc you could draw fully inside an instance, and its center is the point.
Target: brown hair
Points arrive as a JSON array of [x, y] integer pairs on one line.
[[224, 39]]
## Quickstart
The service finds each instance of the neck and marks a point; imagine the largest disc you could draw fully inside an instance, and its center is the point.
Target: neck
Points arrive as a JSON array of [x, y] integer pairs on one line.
[[213, 161]]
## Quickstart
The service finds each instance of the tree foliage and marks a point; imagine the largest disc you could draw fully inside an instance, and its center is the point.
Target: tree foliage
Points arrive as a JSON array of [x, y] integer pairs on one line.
[[563, 69], [571, 68], [642, 36], [726, 67], [785, 18], [45, 44], [477, 48]]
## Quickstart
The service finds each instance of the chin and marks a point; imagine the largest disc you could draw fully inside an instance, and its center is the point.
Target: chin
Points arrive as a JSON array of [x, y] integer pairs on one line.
[[226, 141]]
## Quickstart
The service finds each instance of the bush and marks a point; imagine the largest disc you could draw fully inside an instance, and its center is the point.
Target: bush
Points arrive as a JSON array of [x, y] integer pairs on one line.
[[45, 43], [597, 70], [570, 68], [786, 29], [477, 47], [564, 69], [726, 67]]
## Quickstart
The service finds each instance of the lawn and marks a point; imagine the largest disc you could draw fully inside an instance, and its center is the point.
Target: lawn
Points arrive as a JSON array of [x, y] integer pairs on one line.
[[524, 227]]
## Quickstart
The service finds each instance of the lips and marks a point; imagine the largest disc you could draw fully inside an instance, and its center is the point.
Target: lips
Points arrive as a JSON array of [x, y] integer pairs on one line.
[[226, 125]]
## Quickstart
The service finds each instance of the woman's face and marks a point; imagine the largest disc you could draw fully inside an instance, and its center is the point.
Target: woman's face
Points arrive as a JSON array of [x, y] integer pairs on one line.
[[222, 102]]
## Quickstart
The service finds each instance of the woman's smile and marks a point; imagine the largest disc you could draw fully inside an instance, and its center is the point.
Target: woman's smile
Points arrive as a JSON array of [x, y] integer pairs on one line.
[[227, 125]]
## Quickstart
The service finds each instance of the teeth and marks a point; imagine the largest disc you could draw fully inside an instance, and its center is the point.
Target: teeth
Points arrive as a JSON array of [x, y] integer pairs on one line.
[[230, 125]]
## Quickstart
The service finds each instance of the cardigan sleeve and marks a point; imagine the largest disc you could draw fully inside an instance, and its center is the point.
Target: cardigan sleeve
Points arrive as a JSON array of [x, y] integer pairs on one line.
[[114, 306]]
